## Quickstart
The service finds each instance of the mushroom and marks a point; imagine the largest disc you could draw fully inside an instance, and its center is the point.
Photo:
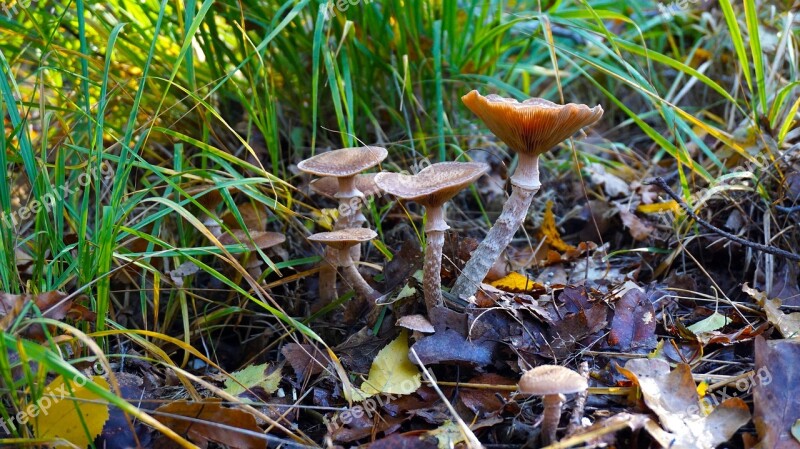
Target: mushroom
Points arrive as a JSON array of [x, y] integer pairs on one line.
[[344, 165], [529, 129], [256, 240], [341, 241], [432, 187], [551, 382]]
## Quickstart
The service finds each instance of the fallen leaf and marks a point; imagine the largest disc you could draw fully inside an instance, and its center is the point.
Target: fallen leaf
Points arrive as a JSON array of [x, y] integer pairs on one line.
[[306, 360], [449, 346], [121, 430], [69, 412], [672, 396], [788, 324], [549, 232], [633, 324], [448, 435], [392, 372], [416, 323], [655, 208], [411, 440], [485, 402], [205, 422], [638, 228], [251, 377], [711, 323], [775, 399], [612, 184], [517, 283]]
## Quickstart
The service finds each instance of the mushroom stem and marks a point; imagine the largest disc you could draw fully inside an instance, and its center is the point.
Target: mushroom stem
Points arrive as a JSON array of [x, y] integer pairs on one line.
[[350, 216], [432, 276], [498, 238], [524, 184], [435, 226], [327, 277], [552, 415], [351, 275]]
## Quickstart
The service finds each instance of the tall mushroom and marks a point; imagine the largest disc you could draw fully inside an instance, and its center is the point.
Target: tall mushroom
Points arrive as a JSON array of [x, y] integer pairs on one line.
[[341, 241], [529, 128], [432, 187], [344, 165], [551, 382]]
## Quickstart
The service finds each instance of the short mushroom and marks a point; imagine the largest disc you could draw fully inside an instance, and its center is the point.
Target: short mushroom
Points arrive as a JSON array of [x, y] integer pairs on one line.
[[551, 382], [341, 241], [255, 240], [344, 165], [432, 187], [529, 129]]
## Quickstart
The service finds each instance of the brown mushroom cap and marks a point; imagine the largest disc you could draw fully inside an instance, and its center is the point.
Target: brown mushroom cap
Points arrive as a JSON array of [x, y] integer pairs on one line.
[[344, 238], [260, 239], [434, 185], [534, 126], [329, 185], [551, 379], [345, 162]]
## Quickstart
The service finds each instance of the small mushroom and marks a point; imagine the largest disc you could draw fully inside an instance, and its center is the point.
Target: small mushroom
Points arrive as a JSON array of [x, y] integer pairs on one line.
[[551, 382], [341, 241], [256, 240], [432, 187], [529, 129], [344, 165]]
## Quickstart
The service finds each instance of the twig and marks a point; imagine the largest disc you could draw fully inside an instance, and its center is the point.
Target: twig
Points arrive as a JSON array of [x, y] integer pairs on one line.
[[757, 246]]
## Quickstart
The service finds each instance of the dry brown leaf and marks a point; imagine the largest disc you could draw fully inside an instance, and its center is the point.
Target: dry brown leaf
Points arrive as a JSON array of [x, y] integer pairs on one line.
[[205, 422], [638, 228], [672, 396]]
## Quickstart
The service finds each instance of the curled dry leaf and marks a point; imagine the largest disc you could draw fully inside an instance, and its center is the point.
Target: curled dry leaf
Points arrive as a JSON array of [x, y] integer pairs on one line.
[[672, 396], [549, 232], [52, 304], [788, 324], [638, 228]]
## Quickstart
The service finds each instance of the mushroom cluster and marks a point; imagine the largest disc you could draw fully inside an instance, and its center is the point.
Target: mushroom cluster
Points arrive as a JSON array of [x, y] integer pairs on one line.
[[529, 128]]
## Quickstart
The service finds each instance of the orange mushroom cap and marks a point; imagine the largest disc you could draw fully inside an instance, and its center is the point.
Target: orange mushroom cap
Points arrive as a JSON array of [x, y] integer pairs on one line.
[[534, 126]]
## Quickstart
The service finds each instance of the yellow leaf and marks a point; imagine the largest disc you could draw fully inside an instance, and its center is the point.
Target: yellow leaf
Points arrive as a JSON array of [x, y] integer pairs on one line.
[[325, 218], [549, 232], [447, 435], [702, 388], [392, 372], [666, 206], [253, 376], [517, 283], [65, 408]]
